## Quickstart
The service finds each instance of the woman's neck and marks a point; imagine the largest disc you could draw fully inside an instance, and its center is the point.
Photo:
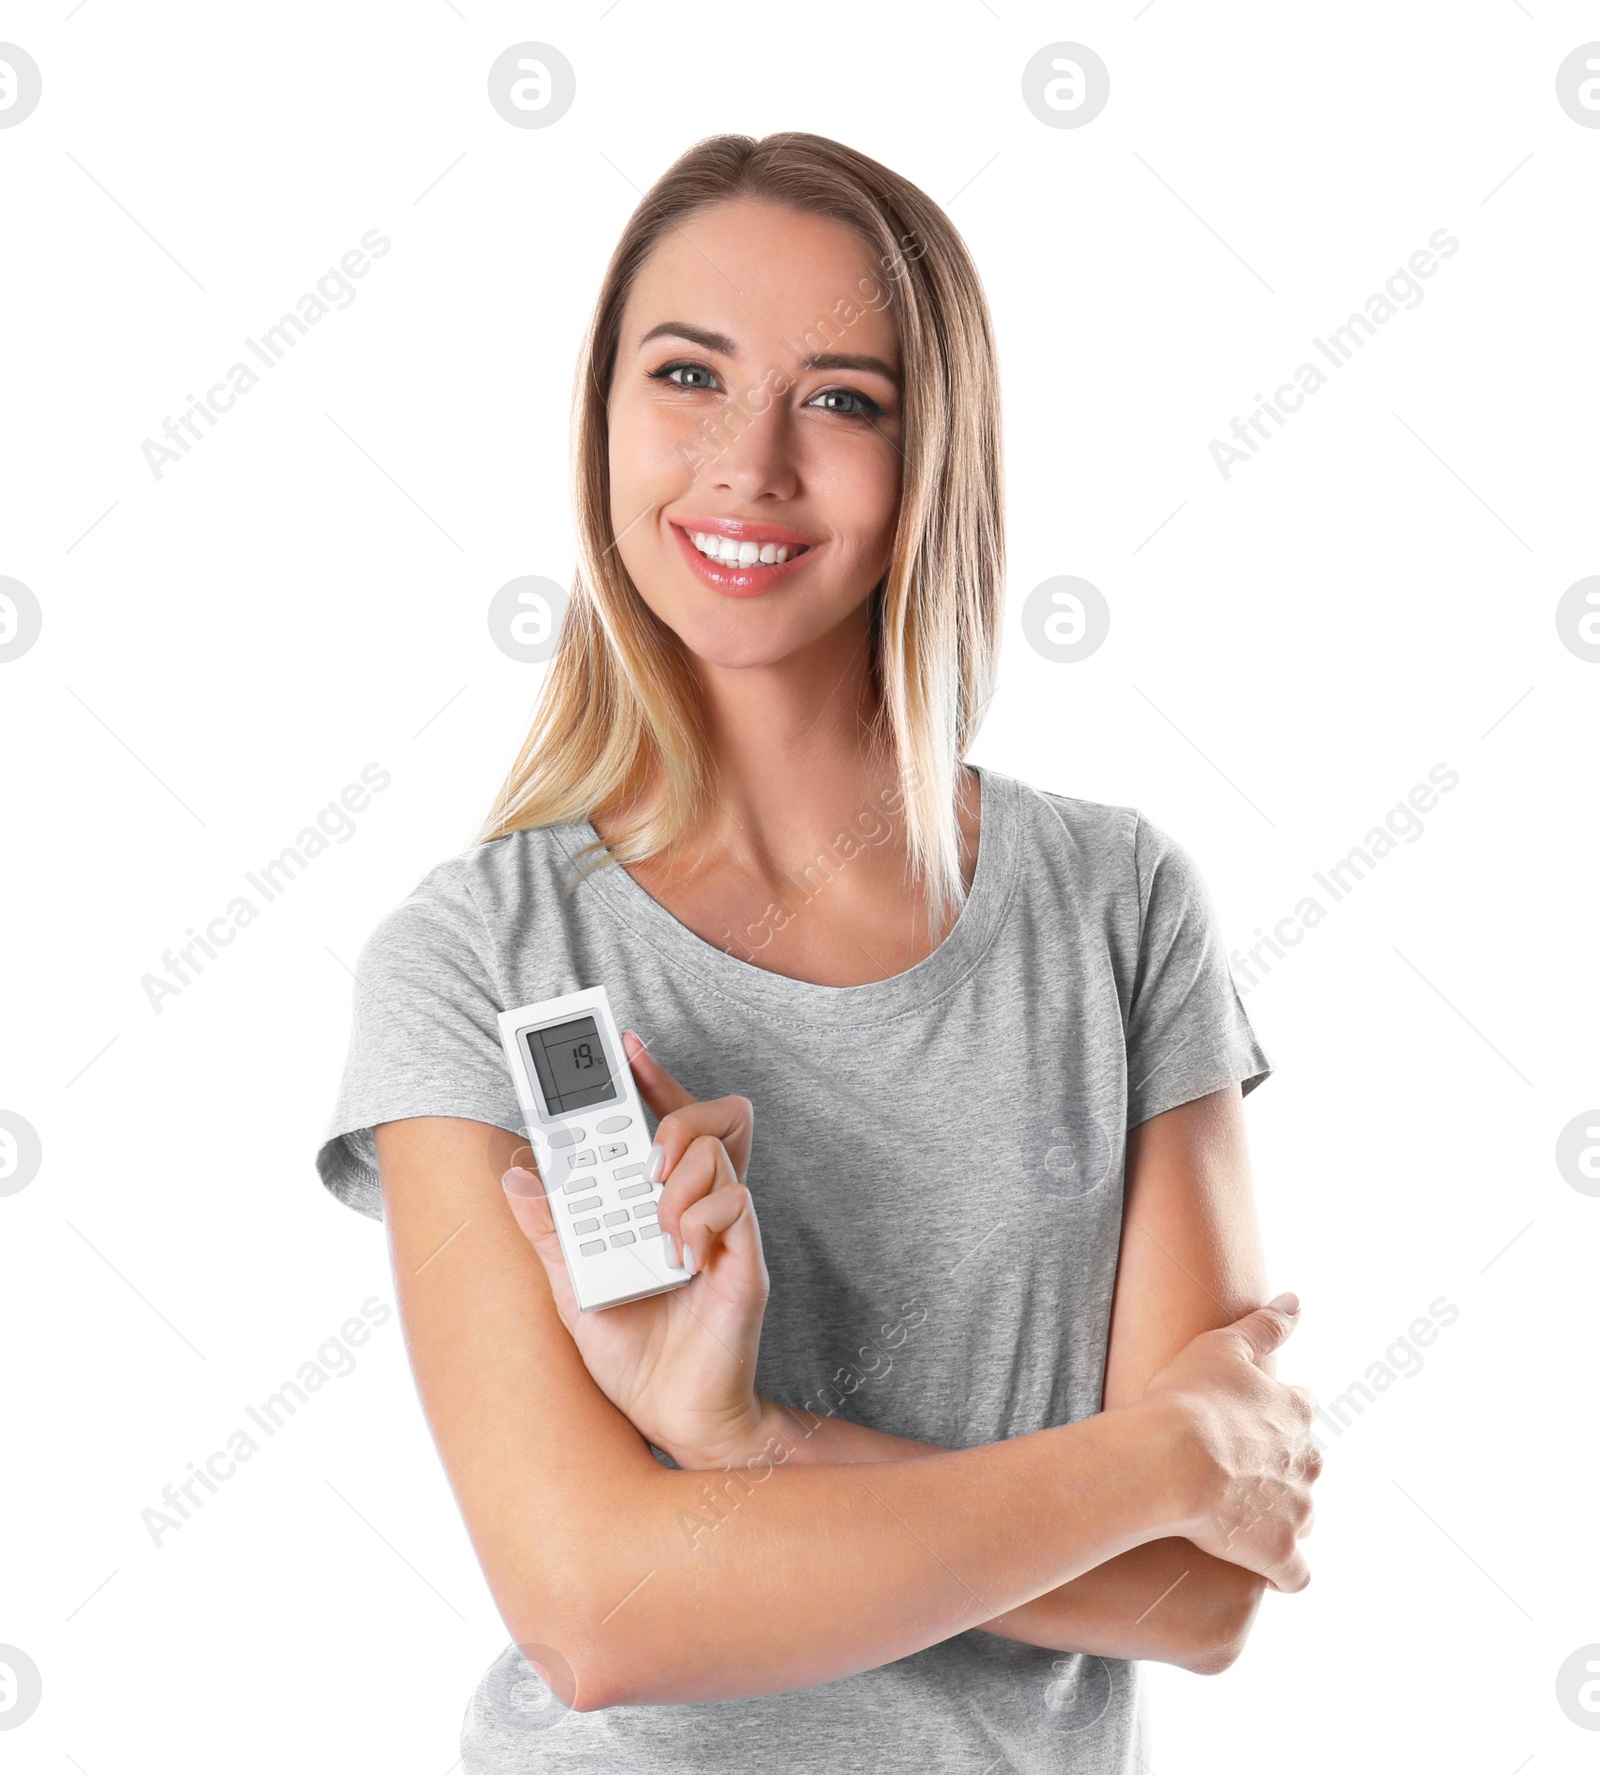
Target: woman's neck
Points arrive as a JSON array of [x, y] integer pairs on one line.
[[804, 816]]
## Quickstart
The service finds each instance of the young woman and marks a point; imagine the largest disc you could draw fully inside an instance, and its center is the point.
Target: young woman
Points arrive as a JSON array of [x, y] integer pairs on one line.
[[969, 1404]]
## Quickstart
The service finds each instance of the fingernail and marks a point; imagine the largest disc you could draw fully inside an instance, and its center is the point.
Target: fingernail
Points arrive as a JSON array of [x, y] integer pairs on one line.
[[688, 1260], [654, 1164], [1288, 1303], [519, 1181]]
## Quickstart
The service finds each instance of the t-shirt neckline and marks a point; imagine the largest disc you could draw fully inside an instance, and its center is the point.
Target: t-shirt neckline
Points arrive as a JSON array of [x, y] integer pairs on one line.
[[994, 875]]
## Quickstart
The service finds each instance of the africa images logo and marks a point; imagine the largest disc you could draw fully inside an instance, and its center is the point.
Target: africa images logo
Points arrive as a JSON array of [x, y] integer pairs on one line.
[[333, 290], [1401, 289]]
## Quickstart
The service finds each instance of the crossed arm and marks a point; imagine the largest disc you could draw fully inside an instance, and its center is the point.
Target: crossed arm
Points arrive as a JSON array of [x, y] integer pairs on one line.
[[1190, 1261], [567, 1510]]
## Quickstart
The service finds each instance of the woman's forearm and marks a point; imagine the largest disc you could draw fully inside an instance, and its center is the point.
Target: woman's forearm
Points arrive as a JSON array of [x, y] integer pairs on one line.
[[1164, 1600], [775, 1574]]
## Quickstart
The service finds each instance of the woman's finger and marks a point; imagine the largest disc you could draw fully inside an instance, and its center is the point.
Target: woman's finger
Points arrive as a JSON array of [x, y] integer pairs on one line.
[[727, 1216], [705, 1201], [660, 1090], [693, 1176], [683, 1118], [531, 1210], [727, 1119]]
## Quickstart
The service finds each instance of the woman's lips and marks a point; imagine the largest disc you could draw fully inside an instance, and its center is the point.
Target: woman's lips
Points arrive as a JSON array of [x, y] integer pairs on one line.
[[739, 582]]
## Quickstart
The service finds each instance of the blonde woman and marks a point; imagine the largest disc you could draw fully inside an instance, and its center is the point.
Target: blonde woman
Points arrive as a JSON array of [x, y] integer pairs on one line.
[[969, 1405]]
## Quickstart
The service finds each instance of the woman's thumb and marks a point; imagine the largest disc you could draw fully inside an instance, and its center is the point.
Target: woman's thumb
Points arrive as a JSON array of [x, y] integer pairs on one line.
[[1268, 1326], [525, 1192], [531, 1210]]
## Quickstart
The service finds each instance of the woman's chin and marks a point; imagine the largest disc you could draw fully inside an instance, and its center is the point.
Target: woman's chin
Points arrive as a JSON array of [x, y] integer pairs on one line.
[[741, 634], [735, 653]]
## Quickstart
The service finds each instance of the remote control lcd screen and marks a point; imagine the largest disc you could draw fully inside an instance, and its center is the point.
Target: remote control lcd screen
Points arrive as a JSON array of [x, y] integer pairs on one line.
[[570, 1060]]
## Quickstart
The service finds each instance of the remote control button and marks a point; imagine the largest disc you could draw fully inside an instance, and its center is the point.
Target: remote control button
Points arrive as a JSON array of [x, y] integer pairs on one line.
[[574, 1184], [613, 1124], [566, 1136], [615, 1151], [593, 1248], [625, 1171], [586, 1226], [653, 1231], [633, 1189], [622, 1238], [616, 1217], [584, 1158], [587, 1202], [645, 1210]]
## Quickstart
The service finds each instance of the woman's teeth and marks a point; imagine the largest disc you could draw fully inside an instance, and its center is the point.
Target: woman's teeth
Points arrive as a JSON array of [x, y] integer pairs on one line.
[[728, 552]]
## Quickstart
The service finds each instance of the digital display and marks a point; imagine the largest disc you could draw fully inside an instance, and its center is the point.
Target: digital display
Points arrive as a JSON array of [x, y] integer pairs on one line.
[[570, 1059]]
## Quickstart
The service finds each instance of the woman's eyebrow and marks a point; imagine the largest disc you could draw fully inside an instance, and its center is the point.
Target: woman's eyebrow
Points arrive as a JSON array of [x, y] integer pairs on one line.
[[724, 346], [840, 360], [702, 336]]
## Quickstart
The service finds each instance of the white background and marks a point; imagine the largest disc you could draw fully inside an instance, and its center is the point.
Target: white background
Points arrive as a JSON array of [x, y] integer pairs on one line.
[[1291, 649]]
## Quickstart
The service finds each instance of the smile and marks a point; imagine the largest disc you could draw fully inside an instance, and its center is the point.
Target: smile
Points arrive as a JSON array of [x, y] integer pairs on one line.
[[742, 565], [733, 553]]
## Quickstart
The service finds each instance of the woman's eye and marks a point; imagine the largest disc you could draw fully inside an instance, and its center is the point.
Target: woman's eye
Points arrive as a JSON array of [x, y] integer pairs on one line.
[[865, 408], [695, 378], [669, 373]]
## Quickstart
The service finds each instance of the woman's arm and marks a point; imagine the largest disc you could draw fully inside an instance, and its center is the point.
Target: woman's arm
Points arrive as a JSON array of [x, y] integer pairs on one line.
[[650, 1585], [1190, 1261], [1145, 1603]]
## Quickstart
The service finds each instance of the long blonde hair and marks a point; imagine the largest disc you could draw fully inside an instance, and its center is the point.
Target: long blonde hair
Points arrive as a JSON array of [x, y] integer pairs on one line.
[[619, 712]]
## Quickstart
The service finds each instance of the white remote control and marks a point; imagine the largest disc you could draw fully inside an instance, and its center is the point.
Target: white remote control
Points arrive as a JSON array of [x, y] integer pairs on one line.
[[588, 1132]]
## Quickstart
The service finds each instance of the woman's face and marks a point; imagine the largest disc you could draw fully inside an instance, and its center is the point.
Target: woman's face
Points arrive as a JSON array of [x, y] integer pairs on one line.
[[725, 422]]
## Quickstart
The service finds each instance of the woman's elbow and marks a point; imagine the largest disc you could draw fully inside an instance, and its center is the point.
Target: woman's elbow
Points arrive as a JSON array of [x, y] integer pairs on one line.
[[1213, 1659], [558, 1623], [1217, 1640], [585, 1676], [596, 1635], [576, 1671]]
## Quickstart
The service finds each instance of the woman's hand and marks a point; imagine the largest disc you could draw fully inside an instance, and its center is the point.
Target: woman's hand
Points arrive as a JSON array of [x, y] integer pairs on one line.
[[1247, 1462], [681, 1365]]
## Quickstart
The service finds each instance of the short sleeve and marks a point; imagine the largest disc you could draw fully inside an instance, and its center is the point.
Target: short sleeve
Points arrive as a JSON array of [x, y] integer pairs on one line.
[[424, 1040], [1187, 1033]]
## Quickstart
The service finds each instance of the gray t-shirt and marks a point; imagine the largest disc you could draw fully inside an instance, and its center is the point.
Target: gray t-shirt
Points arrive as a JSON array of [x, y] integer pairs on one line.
[[937, 1169]]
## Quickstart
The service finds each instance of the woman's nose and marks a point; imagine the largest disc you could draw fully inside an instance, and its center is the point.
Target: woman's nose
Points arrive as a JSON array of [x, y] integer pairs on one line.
[[753, 455]]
